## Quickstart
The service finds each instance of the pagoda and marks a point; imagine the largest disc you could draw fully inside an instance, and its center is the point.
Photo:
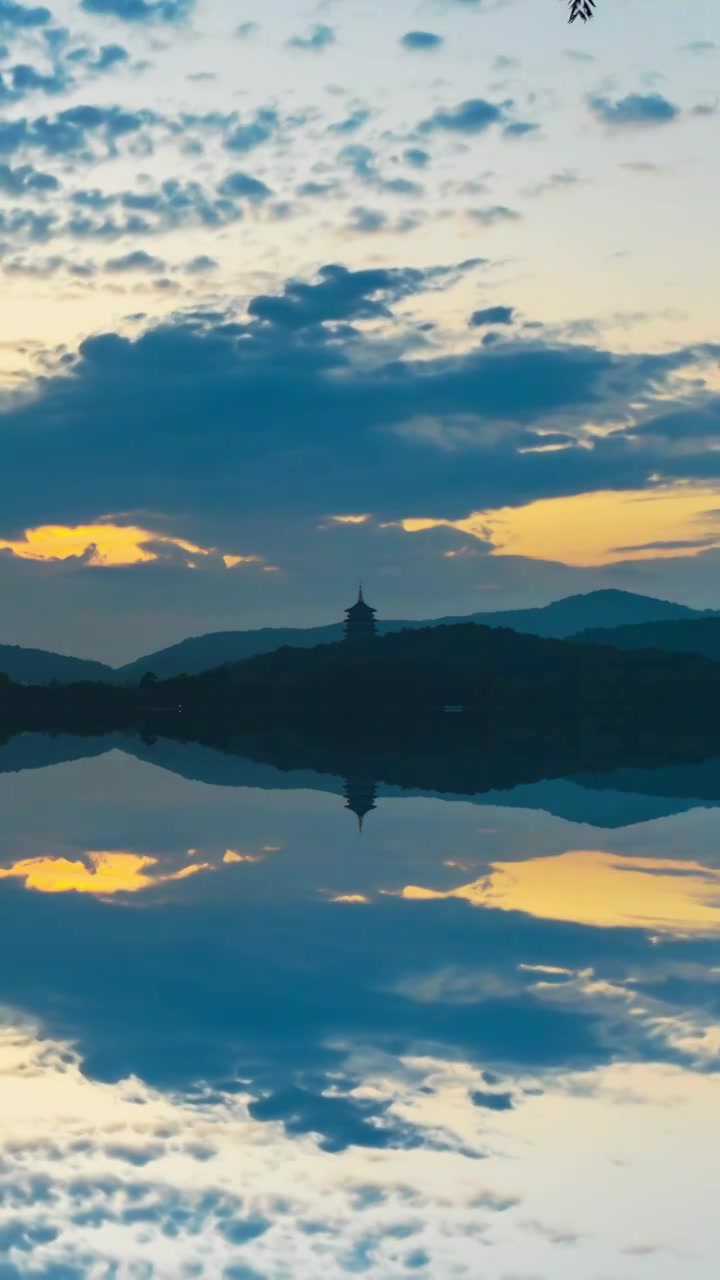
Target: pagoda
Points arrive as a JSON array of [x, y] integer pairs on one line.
[[359, 794], [360, 622]]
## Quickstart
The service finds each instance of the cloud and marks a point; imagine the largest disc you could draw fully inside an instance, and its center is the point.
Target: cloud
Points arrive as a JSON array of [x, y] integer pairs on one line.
[[416, 157], [26, 180], [23, 16], [475, 115], [363, 163], [261, 128], [633, 111], [139, 10], [668, 544], [492, 1101], [136, 260], [241, 186], [335, 368], [494, 214], [321, 37], [559, 181], [245, 30], [492, 315], [520, 129], [421, 41], [700, 46], [351, 123]]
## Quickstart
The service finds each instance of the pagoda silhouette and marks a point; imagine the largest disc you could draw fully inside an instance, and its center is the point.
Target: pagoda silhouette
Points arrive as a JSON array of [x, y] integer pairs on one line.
[[360, 622], [359, 794]]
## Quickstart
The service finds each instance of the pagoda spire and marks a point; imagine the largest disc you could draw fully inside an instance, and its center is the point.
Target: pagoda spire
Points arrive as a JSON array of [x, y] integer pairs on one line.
[[360, 594]]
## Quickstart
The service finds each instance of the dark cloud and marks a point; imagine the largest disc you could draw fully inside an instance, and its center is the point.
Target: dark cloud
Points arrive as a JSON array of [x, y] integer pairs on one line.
[[362, 161], [242, 186], [340, 294], [494, 214], [367, 221], [420, 41], [139, 10], [203, 262], [74, 131], [475, 115], [137, 260], [111, 55], [26, 180], [635, 110], [246, 29], [253, 133], [670, 544], [492, 1101], [520, 129], [351, 123], [285, 384], [311, 415], [416, 157], [492, 315], [19, 15], [558, 181], [321, 37], [700, 46]]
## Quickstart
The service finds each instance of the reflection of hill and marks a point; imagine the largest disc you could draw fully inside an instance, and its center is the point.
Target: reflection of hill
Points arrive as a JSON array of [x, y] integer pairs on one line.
[[606, 797], [40, 750], [611, 799]]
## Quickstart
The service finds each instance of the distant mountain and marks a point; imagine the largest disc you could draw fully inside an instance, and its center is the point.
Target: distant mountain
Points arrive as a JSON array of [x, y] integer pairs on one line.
[[558, 620], [202, 653], [698, 635], [36, 666]]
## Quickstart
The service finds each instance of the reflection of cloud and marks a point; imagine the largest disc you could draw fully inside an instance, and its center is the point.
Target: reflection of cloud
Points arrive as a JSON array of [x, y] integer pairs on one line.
[[96, 1178], [602, 889], [107, 873]]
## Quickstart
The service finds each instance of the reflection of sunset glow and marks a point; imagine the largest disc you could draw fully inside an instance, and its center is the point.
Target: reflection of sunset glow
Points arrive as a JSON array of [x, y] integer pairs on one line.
[[595, 888], [107, 873], [105, 544], [597, 528]]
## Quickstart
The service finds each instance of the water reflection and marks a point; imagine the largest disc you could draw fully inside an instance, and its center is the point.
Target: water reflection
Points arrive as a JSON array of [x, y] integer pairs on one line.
[[240, 1042]]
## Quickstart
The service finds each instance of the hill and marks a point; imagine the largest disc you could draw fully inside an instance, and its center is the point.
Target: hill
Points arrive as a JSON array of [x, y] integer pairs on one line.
[[558, 620], [37, 666], [699, 636]]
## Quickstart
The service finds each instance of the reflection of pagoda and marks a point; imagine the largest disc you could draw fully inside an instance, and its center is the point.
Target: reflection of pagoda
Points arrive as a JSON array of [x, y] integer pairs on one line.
[[360, 795], [360, 622]]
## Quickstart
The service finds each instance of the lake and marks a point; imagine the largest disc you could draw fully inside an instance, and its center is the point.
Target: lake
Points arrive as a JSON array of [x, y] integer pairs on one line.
[[249, 1033]]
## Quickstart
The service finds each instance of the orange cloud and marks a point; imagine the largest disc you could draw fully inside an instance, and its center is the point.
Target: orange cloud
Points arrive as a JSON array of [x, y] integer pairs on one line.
[[596, 888], [106, 874], [106, 544], [596, 528]]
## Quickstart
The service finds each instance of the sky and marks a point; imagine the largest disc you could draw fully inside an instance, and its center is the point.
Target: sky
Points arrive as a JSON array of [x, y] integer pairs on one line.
[[300, 293]]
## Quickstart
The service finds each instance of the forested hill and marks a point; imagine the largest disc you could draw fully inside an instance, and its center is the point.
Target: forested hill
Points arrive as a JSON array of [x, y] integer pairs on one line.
[[505, 681], [698, 636], [38, 666]]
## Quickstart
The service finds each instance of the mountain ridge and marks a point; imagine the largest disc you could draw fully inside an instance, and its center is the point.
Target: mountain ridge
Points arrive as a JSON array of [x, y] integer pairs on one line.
[[698, 636], [605, 610], [559, 619]]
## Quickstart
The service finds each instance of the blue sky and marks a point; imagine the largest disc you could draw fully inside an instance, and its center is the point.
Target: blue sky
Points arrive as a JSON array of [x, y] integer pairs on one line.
[[297, 293]]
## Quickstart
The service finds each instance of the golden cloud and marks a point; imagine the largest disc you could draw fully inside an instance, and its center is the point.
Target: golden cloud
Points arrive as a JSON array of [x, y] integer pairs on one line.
[[104, 873]]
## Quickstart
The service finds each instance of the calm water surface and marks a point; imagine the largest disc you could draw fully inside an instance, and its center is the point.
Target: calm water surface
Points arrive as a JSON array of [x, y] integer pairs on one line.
[[240, 1039]]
